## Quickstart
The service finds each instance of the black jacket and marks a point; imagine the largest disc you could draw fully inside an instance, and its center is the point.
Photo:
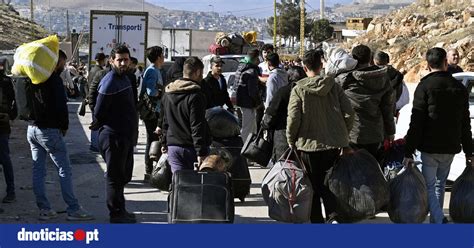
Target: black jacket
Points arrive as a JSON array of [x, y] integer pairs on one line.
[[216, 96], [8, 109], [396, 81], [248, 95], [184, 122], [277, 111], [454, 69], [440, 120], [50, 104], [93, 88], [372, 98], [134, 82]]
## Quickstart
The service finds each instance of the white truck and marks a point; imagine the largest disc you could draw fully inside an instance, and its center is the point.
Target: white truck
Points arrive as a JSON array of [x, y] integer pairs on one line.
[[109, 28], [186, 42]]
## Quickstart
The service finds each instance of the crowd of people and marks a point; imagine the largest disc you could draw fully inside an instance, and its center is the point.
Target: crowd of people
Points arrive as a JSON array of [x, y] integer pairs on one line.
[[302, 105]]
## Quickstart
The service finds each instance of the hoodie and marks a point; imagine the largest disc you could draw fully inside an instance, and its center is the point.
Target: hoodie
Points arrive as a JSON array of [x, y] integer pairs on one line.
[[184, 121], [277, 79], [320, 115], [372, 98]]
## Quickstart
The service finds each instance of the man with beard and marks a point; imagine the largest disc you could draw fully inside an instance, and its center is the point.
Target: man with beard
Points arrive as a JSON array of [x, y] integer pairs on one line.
[[116, 116]]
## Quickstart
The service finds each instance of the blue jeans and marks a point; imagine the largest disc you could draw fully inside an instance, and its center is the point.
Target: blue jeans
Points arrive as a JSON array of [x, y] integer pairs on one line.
[[44, 141], [7, 163], [435, 169]]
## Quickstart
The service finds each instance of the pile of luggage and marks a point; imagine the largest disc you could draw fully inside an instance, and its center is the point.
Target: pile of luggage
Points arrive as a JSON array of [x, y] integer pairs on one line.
[[233, 43], [227, 143]]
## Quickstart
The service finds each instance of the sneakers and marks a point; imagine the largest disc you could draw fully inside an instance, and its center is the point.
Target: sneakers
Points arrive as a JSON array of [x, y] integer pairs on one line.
[[79, 215], [47, 214], [9, 198]]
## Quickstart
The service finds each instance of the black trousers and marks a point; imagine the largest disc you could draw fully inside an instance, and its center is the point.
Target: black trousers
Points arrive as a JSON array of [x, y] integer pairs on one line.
[[371, 148], [317, 164], [117, 152], [151, 136]]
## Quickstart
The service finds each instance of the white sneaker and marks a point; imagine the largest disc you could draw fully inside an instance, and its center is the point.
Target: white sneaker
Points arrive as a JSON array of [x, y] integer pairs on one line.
[[47, 214]]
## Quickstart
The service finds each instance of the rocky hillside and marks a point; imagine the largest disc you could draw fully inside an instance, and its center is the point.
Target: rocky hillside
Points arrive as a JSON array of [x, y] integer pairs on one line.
[[15, 30], [408, 33]]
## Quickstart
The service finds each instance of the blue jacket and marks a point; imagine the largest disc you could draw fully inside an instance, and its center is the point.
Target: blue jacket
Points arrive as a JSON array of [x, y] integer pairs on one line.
[[115, 108]]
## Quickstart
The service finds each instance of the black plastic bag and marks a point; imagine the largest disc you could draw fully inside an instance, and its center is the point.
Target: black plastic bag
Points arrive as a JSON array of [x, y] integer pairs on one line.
[[359, 186], [222, 123], [461, 205], [408, 197], [161, 175]]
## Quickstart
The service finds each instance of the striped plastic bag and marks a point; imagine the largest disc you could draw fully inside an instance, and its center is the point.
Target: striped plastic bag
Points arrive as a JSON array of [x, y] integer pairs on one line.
[[37, 59]]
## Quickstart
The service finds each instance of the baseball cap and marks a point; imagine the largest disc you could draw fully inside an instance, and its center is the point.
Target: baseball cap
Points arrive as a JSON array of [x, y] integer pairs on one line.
[[217, 59]]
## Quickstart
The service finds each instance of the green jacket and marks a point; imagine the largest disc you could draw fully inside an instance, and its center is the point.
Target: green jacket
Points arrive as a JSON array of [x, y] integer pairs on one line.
[[320, 115]]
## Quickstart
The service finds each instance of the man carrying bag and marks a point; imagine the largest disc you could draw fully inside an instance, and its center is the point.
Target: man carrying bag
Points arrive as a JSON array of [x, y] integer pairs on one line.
[[320, 131]]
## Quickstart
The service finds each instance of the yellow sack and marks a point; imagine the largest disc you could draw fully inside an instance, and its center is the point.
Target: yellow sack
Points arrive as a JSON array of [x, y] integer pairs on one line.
[[250, 37], [36, 59]]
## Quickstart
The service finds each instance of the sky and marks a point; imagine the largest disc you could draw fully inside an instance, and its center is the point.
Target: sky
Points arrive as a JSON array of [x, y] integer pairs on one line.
[[251, 8]]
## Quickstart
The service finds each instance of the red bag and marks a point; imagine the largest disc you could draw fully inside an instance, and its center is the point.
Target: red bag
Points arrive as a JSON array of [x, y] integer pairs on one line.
[[218, 50]]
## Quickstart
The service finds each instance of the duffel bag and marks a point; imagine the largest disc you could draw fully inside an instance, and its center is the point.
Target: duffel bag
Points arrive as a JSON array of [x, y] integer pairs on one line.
[[287, 191]]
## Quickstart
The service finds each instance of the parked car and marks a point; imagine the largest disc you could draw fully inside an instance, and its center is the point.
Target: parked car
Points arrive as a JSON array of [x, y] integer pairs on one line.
[[459, 162]]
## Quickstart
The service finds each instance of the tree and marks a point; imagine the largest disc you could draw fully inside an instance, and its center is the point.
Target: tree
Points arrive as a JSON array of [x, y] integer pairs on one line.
[[288, 21], [321, 30]]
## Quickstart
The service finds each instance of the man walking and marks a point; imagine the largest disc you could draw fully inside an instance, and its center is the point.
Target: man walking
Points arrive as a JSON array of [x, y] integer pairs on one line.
[[116, 116], [151, 90], [319, 119], [8, 111], [440, 103], [95, 75], [215, 86], [277, 79], [184, 123], [45, 135], [400, 90], [248, 96], [371, 95]]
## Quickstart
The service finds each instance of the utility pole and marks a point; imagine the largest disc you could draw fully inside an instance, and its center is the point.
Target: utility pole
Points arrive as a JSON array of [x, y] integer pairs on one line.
[[67, 26], [321, 8], [31, 11], [302, 22], [274, 23]]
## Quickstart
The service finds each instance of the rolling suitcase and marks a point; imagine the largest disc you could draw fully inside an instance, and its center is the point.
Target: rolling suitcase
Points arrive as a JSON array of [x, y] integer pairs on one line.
[[239, 170], [201, 197]]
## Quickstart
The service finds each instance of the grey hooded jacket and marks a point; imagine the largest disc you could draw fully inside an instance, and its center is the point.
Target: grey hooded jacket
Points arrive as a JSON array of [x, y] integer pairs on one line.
[[372, 98]]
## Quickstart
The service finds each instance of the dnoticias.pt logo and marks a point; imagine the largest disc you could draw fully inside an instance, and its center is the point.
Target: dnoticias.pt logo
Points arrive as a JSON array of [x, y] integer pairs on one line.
[[58, 235]]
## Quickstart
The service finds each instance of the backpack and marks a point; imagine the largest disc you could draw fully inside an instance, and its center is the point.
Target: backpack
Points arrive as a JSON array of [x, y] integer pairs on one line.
[[287, 191], [24, 98]]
